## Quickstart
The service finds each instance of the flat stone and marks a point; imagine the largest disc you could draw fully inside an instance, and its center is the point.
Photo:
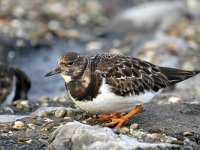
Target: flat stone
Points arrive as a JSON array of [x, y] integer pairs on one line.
[[75, 135]]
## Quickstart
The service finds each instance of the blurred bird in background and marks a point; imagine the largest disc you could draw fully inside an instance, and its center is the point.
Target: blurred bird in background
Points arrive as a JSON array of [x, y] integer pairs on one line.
[[14, 85]]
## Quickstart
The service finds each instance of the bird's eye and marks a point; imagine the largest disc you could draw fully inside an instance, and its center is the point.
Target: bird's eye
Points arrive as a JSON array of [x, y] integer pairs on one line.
[[70, 63]]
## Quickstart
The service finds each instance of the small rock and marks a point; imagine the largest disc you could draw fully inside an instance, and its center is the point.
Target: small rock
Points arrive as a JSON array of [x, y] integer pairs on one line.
[[156, 136], [29, 141], [70, 113], [46, 114], [44, 99], [55, 99], [4, 134], [29, 130], [135, 133], [32, 126], [134, 126], [48, 120], [178, 142], [124, 130], [22, 139], [19, 124], [50, 126], [62, 99], [19, 106], [54, 25], [187, 133], [5, 130], [60, 113], [94, 46], [83, 19], [10, 132], [25, 103], [176, 100], [33, 117]]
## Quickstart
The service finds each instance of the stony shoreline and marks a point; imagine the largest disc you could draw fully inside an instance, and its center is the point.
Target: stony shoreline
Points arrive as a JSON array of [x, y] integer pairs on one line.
[[166, 126]]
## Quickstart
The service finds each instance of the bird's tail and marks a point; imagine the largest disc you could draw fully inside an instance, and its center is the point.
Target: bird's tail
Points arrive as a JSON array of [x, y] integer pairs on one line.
[[176, 75]]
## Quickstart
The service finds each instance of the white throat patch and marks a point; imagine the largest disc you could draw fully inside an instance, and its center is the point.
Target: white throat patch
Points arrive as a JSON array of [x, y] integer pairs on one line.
[[66, 78]]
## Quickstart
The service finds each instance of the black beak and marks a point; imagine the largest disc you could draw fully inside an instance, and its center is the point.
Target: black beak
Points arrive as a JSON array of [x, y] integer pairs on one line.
[[53, 72]]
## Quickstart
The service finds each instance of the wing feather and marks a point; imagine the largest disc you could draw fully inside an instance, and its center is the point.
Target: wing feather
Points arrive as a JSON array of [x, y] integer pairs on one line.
[[127, 75]]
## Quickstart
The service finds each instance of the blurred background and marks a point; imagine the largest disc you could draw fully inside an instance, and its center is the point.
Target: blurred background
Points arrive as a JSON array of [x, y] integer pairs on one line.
[[34, 33]]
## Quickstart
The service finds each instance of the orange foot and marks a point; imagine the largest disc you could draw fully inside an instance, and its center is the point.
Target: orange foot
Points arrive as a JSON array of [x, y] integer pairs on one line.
[[120, 121], [109, 117]]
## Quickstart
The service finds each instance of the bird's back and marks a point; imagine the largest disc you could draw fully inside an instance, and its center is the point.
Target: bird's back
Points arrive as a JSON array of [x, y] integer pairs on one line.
[[132, 76]]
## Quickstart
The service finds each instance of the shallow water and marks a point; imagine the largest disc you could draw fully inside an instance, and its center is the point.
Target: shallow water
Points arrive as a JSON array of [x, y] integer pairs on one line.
[[36, 63]]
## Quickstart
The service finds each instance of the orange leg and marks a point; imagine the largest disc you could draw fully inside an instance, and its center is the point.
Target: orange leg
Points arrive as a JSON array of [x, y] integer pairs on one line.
[[105, 117], [120, 121]]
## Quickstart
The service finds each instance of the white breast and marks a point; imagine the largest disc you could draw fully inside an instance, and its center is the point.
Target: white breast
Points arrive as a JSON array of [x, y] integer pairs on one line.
[[108, 102], [10, 97]]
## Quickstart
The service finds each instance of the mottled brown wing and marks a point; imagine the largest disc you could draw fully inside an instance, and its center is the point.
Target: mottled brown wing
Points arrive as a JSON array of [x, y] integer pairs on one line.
[[5, 85], [130, 76]]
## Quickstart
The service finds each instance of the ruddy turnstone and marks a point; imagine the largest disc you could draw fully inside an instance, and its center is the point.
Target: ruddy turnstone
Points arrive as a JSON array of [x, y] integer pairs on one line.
[[112, 83], [14, 84]]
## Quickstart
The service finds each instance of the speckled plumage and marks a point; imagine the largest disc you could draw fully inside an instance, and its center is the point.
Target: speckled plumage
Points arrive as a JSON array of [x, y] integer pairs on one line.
[[115, 78], [14, 84]]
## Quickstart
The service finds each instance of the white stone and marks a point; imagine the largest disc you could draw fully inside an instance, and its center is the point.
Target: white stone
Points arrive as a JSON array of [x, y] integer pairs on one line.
[[75, 135], [176, 100]]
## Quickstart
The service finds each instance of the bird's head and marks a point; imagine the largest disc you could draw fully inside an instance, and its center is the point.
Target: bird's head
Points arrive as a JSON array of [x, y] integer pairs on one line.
[[70, 66]]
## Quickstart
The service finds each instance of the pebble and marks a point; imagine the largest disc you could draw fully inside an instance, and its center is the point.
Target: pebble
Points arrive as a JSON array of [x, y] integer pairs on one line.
[[178, 142], [55, 99], [29, 130], [62, 99], [25, 103], [94, 46], [60, 113], [176, 100], [4, 134], [22, 139], [19, 124], [19, 106], [123, 130], [134, 126], [44, 99], [187, 133], [45, 129], [46, 114], [39, 118], [156, 136], [83, 19], [5, 129], [70, 113], [32, 126], [50, 126], [29, 141], [135, 133], [33, 117]]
